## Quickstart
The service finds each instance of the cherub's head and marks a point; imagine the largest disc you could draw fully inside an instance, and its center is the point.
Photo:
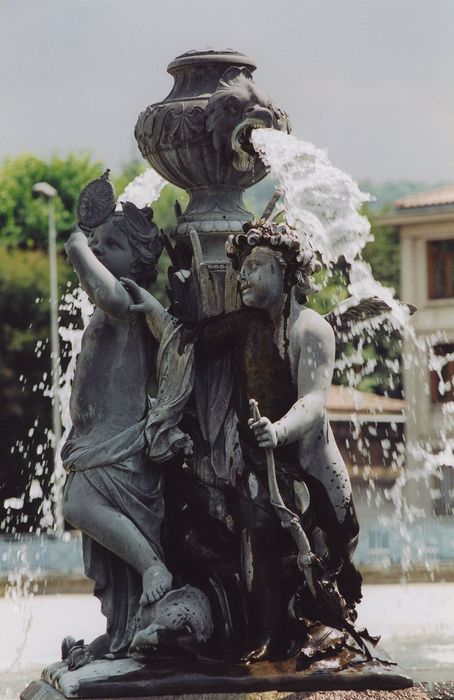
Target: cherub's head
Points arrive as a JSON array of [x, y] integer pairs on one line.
[[271, 260], [129, 244]]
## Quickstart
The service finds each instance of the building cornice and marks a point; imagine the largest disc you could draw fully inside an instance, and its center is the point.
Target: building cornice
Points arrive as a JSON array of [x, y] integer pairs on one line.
[[408, 218]]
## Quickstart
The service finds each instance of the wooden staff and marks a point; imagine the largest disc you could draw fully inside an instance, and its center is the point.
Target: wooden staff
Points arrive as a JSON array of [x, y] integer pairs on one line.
[[289, 520]]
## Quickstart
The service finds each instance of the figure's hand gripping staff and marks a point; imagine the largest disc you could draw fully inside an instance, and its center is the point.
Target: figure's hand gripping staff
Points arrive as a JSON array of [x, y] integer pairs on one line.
[[289, 520]]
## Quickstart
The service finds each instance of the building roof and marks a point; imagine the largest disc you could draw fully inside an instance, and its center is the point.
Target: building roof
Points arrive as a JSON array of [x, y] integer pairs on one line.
[[438, 197], [345, 401]]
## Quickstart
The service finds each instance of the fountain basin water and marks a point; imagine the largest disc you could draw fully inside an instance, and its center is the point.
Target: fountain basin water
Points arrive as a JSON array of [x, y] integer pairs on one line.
[[414, 621]]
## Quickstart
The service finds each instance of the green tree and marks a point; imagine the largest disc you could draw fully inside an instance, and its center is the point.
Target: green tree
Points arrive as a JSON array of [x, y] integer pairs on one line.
[[23, 218], [25, 414], [385, 349], [383, 253], [164, 208]]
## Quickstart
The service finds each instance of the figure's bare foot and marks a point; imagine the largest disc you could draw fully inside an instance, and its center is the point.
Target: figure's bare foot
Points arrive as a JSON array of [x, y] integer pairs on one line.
[[157, 581], [79, 657], [75, 654], [67, 644]]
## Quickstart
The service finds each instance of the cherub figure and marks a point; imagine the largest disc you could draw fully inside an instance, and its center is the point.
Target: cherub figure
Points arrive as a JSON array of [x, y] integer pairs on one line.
[[284, 358], [113, 492], [285, 355]]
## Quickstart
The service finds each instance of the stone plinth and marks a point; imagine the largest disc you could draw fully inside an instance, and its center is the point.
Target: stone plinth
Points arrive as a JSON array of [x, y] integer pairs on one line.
[[130, 678]]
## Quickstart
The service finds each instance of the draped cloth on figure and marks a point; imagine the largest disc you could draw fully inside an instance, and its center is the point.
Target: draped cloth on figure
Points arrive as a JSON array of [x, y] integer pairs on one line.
[[134, 488], [117, 473], [158, 431]]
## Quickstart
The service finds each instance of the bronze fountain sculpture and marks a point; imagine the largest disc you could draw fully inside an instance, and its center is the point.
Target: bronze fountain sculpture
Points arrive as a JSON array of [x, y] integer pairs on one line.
[[220, 540]]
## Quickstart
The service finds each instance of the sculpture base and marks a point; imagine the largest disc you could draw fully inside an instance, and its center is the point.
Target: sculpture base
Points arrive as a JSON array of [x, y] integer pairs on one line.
[[40, 690], [128, 678]]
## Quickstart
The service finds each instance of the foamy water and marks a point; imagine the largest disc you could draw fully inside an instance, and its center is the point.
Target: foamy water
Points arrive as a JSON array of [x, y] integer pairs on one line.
[[143, 190], [323, 202], [319, 198]]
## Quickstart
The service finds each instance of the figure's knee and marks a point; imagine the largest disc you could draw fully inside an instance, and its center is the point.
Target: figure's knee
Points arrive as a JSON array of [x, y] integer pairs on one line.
[[75, 510], [80, 504], [70, 513]]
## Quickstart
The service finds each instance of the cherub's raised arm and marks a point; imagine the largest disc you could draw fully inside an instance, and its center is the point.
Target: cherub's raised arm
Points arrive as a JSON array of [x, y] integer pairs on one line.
[[103, 288], [157, 317]]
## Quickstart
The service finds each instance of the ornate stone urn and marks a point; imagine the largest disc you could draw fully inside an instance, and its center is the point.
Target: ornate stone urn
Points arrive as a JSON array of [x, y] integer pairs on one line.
[[198, 137]]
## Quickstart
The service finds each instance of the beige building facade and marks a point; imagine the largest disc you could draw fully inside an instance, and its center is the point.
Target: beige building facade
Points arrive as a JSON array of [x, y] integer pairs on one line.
[[426, 227]]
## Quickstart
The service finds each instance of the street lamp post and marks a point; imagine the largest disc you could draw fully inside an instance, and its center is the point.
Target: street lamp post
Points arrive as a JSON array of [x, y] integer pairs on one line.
[[49, 193]]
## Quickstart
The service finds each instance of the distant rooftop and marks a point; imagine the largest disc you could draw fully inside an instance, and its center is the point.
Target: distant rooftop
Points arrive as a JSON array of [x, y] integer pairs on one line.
[[345, 401], [438, 197]]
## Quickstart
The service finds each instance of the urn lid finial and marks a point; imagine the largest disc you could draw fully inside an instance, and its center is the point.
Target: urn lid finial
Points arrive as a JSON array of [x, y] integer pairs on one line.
[[208, 55]]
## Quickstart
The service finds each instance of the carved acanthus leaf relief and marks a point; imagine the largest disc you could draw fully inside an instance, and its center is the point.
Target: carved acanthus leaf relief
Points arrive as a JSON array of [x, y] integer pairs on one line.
[[170, 126]]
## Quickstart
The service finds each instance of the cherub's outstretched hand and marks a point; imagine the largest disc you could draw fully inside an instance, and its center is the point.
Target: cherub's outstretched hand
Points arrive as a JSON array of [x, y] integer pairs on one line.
[[264, 431], [78, 234], [75, 239], [155, 314], [143, 300]]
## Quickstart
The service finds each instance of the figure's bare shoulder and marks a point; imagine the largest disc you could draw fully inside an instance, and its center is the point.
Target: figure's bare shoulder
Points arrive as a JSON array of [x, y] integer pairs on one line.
[[310, 327], [312, 351]]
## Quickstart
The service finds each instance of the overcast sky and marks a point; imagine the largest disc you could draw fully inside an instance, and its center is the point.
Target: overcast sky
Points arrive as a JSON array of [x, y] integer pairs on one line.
[[370, 80]]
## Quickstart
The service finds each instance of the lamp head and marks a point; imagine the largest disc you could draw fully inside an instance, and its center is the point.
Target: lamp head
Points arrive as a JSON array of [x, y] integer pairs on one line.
[[43, 189]]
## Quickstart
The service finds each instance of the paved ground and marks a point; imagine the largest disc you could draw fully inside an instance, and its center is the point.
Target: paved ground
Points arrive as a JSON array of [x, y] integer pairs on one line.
[[416, 622]]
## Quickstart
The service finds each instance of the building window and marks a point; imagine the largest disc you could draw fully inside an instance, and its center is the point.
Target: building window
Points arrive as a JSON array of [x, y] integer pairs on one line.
[[440, 261], [443, 502], [442, 392]]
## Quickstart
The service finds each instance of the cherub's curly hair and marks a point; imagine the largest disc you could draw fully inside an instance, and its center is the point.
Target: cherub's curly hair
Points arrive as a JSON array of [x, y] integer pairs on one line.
[[144, 237], [298, 260]]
